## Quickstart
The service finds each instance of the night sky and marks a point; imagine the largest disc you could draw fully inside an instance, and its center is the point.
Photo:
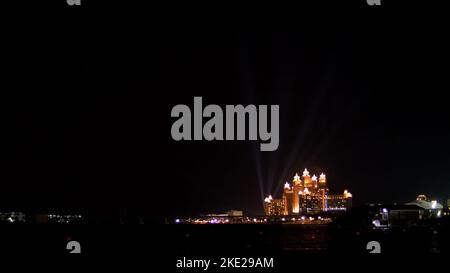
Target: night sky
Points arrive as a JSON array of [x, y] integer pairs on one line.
[[87, 95]]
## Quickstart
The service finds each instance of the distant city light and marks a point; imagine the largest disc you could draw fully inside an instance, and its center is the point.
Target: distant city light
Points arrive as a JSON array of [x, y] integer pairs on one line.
[[433, 204], [376, 223]]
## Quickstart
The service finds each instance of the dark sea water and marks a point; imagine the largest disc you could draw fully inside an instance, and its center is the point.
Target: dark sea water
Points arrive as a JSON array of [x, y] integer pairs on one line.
[[282, 239], [170, 241], [250, 238]]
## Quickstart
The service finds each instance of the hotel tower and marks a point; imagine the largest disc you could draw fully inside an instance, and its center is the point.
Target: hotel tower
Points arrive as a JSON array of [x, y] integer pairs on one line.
[[307, 194]]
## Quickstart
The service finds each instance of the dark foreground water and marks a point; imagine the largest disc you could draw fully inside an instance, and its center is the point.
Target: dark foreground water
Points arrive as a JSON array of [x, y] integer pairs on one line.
[[174, 240], [305, 239]]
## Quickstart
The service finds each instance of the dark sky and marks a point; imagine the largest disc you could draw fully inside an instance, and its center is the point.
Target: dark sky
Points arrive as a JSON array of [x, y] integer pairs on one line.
[[88, 91]]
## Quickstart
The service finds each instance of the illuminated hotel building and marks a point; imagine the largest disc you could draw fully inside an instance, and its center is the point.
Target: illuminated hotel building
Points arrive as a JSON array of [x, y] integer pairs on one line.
[[307, 194], [274, 206]]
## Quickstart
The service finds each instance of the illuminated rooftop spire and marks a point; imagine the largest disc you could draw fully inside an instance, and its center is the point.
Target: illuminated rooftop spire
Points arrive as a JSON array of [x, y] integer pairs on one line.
[[296, 178], [287, 186], [322, 178], [314, 178], [305, 172], [347, 194], [268, 199], [306, 191]]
